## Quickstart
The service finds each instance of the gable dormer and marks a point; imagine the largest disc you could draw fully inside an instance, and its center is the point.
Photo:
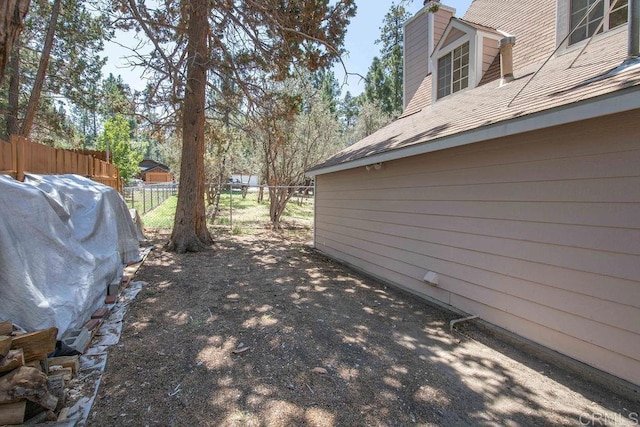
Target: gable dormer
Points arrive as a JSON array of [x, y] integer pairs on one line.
[[461, 57], [421, 33]]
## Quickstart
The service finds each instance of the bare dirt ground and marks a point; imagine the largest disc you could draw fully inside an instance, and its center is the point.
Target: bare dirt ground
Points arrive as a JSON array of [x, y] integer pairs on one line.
[[262, 330]]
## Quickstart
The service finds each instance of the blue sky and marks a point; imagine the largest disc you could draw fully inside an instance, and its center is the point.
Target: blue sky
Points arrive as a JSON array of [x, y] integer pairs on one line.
[[363, 30]]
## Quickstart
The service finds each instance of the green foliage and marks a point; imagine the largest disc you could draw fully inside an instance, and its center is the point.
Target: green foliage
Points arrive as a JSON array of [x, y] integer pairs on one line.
[[74, 64], [384, 79], [371, 117], [162, 216], [116, 139], [325, 81], [232, 48], [293, 136], [378, 88], [349, 109], [249, 216], [115, 97], [75, 60]]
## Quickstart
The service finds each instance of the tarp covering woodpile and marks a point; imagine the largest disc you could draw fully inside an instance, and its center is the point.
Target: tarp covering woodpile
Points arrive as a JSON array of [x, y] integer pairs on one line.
[[63, 239]]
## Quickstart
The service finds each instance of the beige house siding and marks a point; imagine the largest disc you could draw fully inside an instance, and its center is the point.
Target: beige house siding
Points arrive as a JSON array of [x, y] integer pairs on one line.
[[453, 35], [417, 49], [489, 52], [538, 234], [416, 54], [440, 22]]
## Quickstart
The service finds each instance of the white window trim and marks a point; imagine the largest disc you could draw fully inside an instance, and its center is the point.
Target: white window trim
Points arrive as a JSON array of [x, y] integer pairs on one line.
[[563, 23], [475, 38], [439, 53], [451, 65], [473, 64]]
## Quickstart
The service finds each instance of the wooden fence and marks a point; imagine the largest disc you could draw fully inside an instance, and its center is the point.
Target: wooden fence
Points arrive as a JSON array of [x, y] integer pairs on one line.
[[20, 156]]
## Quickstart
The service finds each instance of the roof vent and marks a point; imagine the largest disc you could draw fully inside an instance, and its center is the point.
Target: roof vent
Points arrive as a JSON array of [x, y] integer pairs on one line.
[[506, 58], [634, 28]]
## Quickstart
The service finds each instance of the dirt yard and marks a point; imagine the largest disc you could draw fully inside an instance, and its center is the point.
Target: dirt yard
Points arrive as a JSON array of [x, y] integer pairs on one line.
[[264, 331]]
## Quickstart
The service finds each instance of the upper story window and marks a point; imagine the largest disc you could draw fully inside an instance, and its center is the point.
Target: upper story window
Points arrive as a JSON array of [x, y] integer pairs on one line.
[[588, 26], [453, 71]]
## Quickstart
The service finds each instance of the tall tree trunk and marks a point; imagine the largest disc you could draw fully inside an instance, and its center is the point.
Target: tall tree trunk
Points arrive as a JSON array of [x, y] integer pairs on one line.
[[14, 93], [12, 13], [34, 99], [190, 231]]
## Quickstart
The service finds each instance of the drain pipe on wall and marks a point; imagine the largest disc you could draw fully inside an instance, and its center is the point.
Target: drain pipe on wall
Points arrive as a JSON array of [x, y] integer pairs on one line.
[[432, 278], [464, 319]]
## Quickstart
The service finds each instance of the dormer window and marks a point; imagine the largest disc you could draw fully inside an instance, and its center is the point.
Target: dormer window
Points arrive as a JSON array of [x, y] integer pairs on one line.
[[462, 56], [453, 71], [588, 26]]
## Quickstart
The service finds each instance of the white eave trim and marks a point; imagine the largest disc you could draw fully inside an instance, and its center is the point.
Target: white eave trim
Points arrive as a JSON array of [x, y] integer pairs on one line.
[[613, 103]]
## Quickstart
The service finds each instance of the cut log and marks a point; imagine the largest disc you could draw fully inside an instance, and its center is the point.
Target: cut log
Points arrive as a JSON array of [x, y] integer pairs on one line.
[[12, 413], [13, 360], [35, 364], [36, 345], [26, 383], [62, 416], [72, 362], [5, 345], [41, 418], [67, 373], [56, 385], [6, 327]]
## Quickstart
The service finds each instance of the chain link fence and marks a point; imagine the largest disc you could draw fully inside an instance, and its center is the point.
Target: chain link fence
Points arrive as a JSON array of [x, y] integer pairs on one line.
[[153, 203], [242, 209], [245, 209]]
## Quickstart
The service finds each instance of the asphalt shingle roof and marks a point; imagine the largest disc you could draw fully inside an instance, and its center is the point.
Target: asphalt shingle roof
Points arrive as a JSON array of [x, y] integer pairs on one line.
[[555, 85]]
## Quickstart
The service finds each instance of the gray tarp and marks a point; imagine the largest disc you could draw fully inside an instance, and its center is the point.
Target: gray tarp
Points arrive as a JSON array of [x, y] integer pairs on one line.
[[63, 239]]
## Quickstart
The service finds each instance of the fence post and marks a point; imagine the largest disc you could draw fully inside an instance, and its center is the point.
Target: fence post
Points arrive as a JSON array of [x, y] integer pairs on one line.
[[18, 151], [14, 155]]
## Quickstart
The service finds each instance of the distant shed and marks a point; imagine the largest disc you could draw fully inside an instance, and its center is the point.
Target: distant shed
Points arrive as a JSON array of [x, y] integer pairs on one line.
[[153, 172]]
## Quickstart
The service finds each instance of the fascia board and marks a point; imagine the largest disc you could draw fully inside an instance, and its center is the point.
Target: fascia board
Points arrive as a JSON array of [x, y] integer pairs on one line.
[[616, 102]]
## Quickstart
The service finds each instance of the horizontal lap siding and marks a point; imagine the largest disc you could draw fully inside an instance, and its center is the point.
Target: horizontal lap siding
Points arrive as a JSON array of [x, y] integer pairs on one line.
[[489, 52], [440, 22], [416, 55], [539, 234]]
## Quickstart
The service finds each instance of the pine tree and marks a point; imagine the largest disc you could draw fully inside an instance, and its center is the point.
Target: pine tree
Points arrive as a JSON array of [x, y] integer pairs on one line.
[[349, 109], [384, 79], [56, 56], [196, 43]]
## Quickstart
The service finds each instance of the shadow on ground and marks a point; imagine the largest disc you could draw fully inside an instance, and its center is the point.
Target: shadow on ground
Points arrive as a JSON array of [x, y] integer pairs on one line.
[[389, 358]]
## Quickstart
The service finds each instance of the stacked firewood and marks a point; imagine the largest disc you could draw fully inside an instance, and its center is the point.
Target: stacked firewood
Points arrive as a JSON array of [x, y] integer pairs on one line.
[[32, 386]]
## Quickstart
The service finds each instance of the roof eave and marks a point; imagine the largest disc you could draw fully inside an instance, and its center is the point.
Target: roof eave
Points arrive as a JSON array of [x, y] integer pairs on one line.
[[611, 103]]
